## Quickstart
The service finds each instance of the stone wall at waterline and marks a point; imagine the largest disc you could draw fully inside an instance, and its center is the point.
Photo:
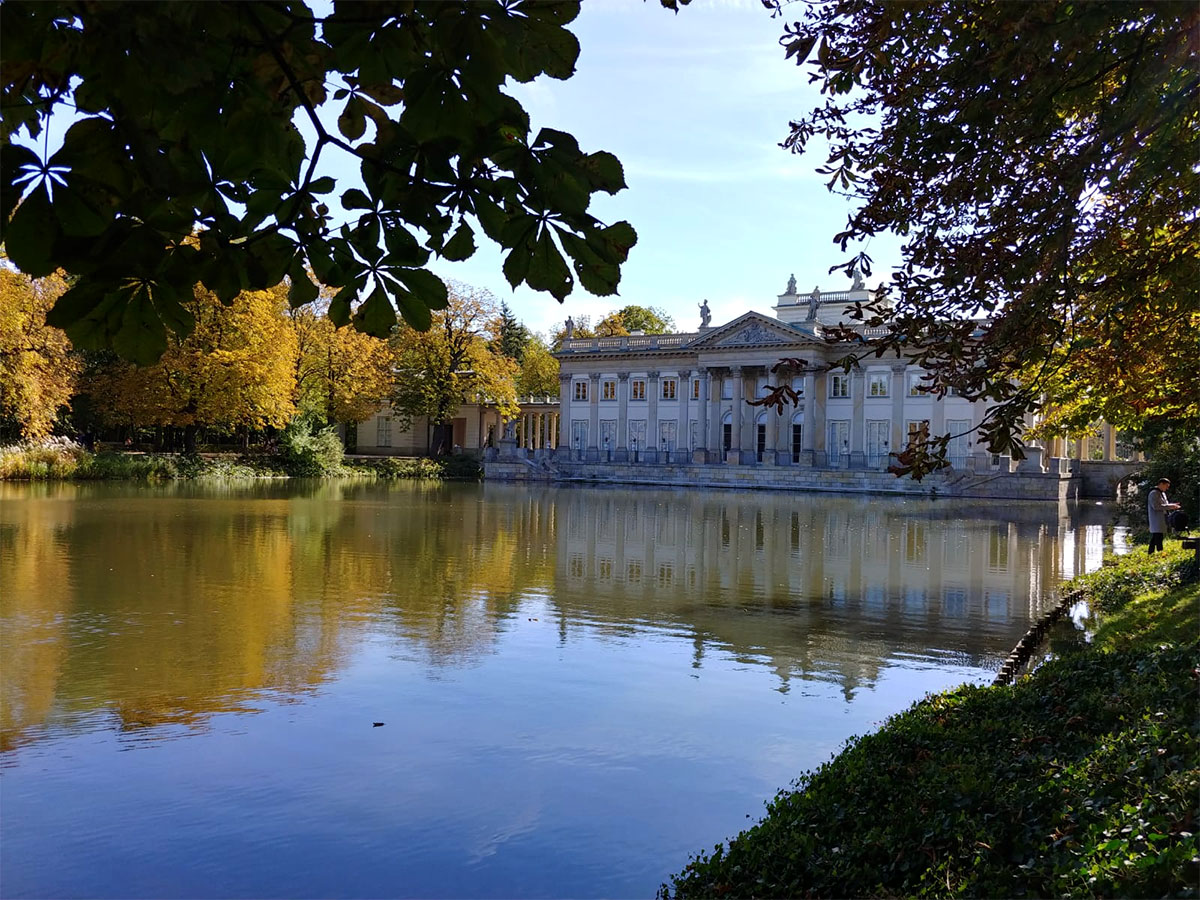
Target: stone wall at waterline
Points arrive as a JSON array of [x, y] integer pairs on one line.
[[1053, 485]]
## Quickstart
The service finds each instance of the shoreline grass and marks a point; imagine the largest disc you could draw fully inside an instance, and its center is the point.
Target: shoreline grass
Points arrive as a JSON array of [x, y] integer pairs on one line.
[[1081, 779], [64, 461]]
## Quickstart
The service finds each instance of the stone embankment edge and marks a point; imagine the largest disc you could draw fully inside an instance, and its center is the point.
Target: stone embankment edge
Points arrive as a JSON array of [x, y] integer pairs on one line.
[[1032, 639]]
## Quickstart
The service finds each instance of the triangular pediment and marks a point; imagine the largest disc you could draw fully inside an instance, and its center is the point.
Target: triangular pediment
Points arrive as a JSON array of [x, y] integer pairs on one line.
[[752, 329]]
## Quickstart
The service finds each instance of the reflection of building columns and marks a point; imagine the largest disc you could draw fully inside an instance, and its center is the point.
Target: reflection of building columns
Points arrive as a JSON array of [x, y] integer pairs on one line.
[[564, 411], [702, 410], [622, 415], [739, 400], [683, 434], [594, 411], [652, 388]]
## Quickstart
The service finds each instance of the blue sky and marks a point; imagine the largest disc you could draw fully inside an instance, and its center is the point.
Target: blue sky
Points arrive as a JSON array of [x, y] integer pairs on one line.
[[694, 105]]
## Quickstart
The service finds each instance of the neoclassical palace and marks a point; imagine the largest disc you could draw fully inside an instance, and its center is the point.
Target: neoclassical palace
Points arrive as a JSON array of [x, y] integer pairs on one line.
[[677, 409]]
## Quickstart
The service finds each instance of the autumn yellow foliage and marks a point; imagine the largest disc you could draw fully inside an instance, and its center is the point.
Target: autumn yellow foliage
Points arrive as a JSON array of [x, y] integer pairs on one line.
[[236, 368], [37, 369]]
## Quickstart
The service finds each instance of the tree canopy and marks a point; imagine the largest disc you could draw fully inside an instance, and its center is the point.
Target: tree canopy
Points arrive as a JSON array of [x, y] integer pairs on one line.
[[453, 362], [235, 369], [628, 319], [1039, 162], [38, 371], [186, 159]]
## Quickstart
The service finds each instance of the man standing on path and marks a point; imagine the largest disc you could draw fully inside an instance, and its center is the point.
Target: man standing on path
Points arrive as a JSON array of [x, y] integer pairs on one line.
[[1157, 507]]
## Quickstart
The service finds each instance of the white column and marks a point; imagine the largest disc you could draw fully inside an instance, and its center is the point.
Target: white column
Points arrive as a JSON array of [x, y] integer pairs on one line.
[[652, 412], [564, 412], [899, 392], [702, 409], [716, 389], [622, 415], [739, 400], [858, 425], [594, 403], [683, 437], [808, 439]]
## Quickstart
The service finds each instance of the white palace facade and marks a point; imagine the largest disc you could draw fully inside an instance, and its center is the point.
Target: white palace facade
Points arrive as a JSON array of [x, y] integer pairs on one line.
[[677, 408]]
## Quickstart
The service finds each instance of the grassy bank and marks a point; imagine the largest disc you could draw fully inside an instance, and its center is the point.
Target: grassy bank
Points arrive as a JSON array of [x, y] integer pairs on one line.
[[69, 462], [1080, 780]]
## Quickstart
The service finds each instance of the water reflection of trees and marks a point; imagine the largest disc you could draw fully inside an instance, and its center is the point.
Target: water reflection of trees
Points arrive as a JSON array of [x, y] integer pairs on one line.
[[166, 605]]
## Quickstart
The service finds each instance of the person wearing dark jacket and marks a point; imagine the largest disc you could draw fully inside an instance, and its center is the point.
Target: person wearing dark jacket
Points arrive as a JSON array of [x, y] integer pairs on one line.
[[1157, 507]]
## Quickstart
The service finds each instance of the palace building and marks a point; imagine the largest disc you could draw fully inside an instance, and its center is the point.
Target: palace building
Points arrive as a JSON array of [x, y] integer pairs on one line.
[[676, 408]]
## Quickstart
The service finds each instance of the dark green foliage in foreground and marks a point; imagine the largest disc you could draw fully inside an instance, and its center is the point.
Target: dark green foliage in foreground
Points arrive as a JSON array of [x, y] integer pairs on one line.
[[213, 145], [1081, 780]]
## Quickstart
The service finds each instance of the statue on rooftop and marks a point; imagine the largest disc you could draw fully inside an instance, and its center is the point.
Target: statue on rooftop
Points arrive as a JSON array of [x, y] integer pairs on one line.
[[813, 299], [705, 315], [569, 328], [858, 282], [791, 288]]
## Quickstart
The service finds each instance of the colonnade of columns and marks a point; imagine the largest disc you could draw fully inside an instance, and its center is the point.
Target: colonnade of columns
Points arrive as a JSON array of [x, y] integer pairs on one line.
[[537, 430]]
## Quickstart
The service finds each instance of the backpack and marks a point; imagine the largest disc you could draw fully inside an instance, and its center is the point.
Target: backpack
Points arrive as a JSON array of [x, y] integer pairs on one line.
[[1177, 520]]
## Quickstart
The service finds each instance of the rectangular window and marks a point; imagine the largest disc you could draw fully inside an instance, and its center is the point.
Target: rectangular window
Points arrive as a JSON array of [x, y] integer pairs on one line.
[[877, 440], [916, 384], [668, 388], [797, 440], [608, 434], [877, 384], [839, 385], [918, 431], [383, 431], [609, 391], [666, 435], [637, 389], [637, 434], [695, 388], [798, 385], [581, 390]]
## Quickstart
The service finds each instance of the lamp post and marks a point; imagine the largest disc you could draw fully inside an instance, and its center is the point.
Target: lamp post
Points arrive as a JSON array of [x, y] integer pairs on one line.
[[634, 442]]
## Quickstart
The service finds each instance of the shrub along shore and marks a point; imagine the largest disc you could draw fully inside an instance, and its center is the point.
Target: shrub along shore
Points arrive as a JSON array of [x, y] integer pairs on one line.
[[316, 455], [1079, 780]]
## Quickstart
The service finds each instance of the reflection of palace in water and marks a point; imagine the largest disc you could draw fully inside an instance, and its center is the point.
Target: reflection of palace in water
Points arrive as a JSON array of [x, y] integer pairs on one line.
[[850, 582], [162, 607]]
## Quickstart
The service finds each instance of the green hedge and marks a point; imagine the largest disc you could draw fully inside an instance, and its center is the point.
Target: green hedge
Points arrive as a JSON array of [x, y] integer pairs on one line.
[[1080, 780]]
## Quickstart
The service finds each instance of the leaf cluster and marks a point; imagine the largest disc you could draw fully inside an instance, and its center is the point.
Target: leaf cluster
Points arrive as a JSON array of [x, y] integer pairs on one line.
[[1038, 161], [186, 163]]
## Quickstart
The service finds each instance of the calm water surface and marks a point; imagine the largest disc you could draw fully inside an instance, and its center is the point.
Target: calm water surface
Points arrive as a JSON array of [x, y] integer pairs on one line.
[[578, 687]]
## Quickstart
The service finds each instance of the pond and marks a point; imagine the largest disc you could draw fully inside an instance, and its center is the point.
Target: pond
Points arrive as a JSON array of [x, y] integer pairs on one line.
[[577, 688]]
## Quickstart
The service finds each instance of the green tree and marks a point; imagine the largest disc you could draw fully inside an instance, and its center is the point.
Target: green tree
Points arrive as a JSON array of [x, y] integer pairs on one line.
[[38, 370], [186, 124], [512, 335], [451, 364], [539, 371], [1038, 160], [628, 319]]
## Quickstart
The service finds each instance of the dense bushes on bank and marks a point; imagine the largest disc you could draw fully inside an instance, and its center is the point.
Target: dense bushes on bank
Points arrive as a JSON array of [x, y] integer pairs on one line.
[[1080, 780], [302, 453]]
